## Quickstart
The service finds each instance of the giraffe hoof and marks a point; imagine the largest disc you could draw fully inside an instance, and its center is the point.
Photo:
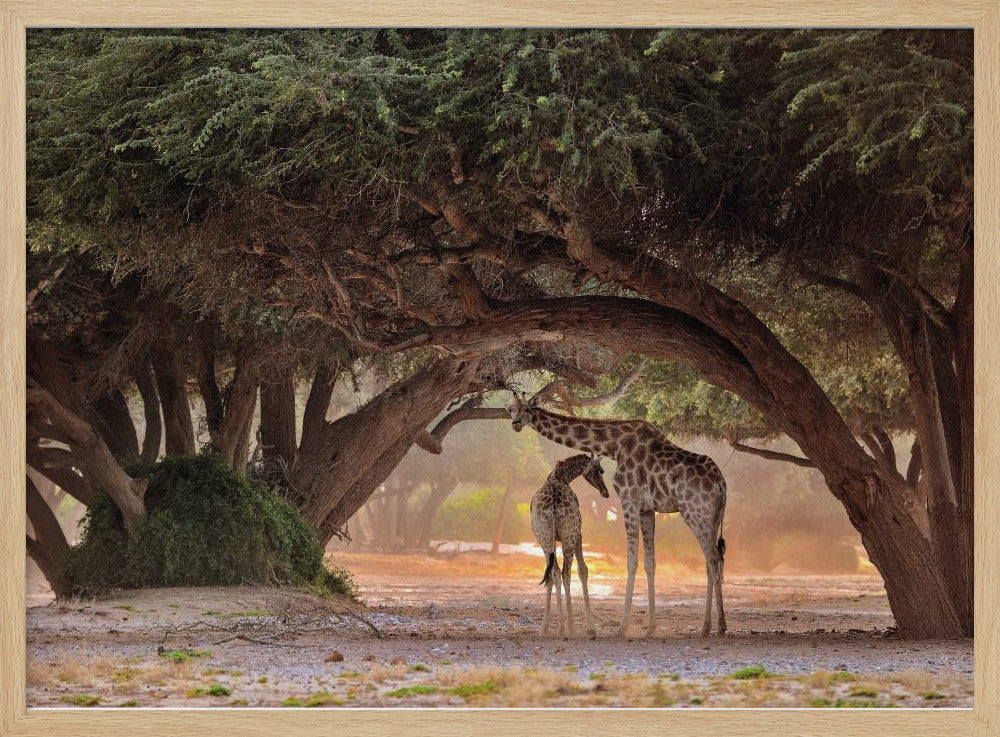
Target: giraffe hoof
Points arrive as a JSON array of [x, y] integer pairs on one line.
[[592, 633], [706, 631]]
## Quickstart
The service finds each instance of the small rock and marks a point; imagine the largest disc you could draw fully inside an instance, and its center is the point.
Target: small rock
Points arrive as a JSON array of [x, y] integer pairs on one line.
[[524, 619], [370, 659], [335, 657], [398, 660]]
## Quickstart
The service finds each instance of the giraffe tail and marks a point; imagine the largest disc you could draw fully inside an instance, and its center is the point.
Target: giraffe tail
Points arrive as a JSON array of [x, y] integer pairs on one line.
[[548, 569], [721, 544]]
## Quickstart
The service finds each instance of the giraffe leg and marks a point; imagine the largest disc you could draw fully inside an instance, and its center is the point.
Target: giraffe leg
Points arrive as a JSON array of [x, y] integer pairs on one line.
[[557, 581], [713, 575], [647, 522], [720, 547], [567, 572], [706, 627], [632, 563], [548, 595], [718, 597], [583, 573]]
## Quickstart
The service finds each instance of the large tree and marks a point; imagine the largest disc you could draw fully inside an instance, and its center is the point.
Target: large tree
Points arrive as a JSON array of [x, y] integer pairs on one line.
[[502, 194]]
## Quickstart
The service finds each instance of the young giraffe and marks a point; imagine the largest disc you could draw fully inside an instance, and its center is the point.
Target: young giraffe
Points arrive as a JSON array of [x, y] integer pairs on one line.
[[555, 516], [653, 475]]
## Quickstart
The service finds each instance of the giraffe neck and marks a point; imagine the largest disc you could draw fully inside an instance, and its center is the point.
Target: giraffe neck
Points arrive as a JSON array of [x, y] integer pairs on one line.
[[592, 436], [569, 469]]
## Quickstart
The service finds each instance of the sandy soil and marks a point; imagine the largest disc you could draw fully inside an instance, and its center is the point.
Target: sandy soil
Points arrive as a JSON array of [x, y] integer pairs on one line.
[[463, 631]]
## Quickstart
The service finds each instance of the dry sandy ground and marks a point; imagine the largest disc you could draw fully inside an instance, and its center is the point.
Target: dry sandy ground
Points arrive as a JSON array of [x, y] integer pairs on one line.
[[463, 631]]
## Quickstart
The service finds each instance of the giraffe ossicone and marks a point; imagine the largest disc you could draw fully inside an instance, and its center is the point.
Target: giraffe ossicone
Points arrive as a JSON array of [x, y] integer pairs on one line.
[[653, 475]]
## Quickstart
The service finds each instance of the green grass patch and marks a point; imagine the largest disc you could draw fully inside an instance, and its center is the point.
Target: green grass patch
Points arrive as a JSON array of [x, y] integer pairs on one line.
[[323, 698], [239, 702], [932, 695], [215, 689], [131, 703], [123, 675], [350, 674], [81, 699], [126, 607], [696, 701], [182, 656], [408, 690], [477, 689], [291, 701], [825, 703], [863, 691], [752, 672], [419, 668]]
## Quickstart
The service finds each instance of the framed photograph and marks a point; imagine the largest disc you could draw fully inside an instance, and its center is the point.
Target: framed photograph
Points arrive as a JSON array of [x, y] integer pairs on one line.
[[335, 338]]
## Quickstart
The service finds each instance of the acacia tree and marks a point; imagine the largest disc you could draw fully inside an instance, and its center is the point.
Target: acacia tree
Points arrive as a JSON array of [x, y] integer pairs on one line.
[[482, 191]]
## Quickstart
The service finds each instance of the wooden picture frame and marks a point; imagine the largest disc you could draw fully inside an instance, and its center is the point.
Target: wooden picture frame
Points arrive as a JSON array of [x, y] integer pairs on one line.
[[17, 15]]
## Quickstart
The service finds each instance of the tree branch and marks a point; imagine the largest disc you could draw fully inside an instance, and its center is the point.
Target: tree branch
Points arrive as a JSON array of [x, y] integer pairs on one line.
[[470, 410], [561, 396], [774, 455], [100, 462]]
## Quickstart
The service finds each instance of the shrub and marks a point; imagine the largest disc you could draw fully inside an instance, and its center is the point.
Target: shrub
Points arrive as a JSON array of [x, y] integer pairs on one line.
[[205, 525]]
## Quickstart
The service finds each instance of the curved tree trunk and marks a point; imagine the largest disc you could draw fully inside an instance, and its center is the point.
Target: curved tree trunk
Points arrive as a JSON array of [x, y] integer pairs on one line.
[[171, 383], [101, 466], [743, 356], [922, 592], [342, 462], [153, 435], [47, 545]]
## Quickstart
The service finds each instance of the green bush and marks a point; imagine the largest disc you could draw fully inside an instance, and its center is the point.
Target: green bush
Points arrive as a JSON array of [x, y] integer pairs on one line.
[[205, 525]]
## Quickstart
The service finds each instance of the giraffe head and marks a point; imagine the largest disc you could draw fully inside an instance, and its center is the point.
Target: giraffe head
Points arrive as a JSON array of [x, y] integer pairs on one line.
[[520, 409], [582, 464], [594, 475]]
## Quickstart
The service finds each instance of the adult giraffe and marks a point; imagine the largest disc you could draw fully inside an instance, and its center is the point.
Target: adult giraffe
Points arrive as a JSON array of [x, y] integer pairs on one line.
[[653, 475]]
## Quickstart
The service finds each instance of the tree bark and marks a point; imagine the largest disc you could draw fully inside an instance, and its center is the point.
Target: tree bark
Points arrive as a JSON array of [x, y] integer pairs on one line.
[[341, 464], [277, 421], [153, 435], [111, 417], [168, 367], [100, 463], [63, 469], [47, 546], [927, 354], [318, 403], [233, 441]]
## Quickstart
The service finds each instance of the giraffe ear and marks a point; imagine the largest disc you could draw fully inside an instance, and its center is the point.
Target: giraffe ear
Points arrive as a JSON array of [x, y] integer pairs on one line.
[[533, 402]]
